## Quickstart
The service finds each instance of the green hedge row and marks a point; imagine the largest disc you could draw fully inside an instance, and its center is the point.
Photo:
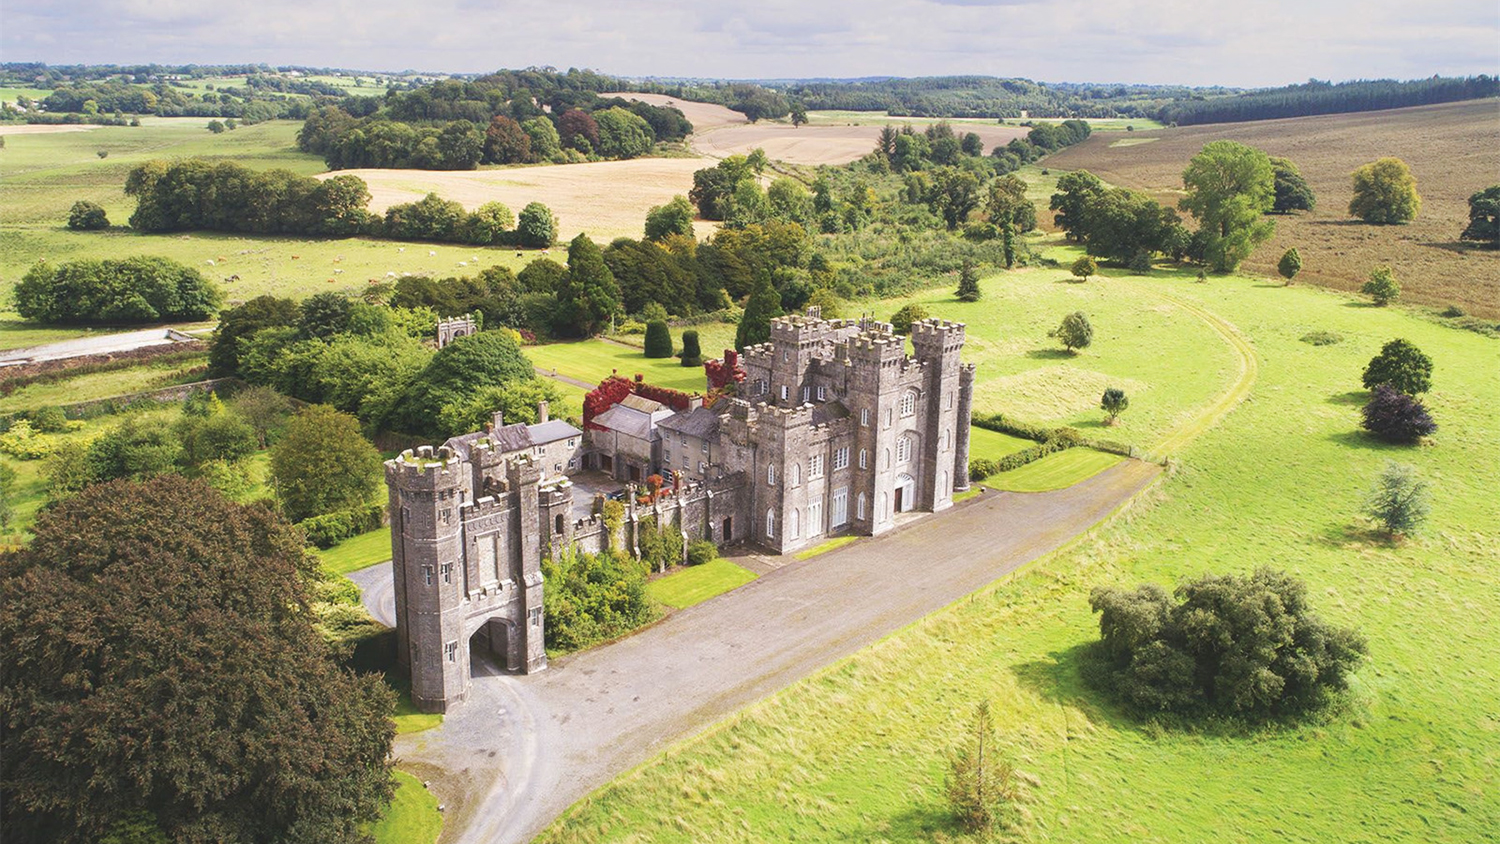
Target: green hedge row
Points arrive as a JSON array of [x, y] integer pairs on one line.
[[330, 529]]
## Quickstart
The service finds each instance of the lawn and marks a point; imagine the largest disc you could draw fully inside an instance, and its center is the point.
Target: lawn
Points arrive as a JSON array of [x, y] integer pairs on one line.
[[591, 361], [98, 385], [1055, 471], [412, 817], [826, 546], [358, 552], [856, 752], [993, 445], [696, 584]]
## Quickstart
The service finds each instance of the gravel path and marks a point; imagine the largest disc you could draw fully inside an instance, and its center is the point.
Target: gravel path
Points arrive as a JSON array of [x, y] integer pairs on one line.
[[96, 345], [524, 748]]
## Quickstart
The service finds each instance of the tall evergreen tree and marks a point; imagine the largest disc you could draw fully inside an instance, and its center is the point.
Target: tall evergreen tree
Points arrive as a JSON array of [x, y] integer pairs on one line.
[[589, 295], [1292, 191], [755, 324], [968, 282]]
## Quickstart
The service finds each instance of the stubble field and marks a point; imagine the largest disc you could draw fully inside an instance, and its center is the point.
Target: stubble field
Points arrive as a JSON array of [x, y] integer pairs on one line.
[[1453, 150]]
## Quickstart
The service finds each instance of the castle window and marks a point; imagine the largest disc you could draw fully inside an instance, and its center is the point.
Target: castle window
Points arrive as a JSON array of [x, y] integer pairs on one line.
[[947, 436], [859, 506], [534, 615], [815, 518], [771, 476], [702, 468], [889, 416], [559, 522], [427, 575], [903, 449], [806, 394], [841, 458], [909, 403], [770, 524], [705, 446], [451, 651], [447, 516], [822, 393], [840, 506], [864, 417], [815, 467], [792, 526], [783, 392], [796, 475], [887, 458], [405, 515], [447, 572], [864, 459]]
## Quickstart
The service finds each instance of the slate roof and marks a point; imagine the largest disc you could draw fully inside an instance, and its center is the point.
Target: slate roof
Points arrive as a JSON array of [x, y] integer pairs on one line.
[[828, 411], [635, 402], [513, 438], [632, 423], [551, 431], [699, 422]]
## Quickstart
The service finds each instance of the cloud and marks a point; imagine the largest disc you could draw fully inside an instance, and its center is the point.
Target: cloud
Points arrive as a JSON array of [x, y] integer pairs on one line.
[[1261, 42]]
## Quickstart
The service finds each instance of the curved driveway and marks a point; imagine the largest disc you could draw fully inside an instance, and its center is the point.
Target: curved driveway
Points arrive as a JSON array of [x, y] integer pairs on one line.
[[524, 748]]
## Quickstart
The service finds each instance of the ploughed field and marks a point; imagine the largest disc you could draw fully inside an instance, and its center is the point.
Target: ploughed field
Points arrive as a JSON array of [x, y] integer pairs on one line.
[[1453, 150]]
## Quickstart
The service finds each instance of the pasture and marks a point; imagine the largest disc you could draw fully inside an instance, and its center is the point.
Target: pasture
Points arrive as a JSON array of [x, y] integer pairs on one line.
[[823, 142], [856, 752], [1453, 150]]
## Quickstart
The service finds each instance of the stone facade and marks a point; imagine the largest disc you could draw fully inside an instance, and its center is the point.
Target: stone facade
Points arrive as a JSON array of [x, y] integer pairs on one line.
[[449, 330]]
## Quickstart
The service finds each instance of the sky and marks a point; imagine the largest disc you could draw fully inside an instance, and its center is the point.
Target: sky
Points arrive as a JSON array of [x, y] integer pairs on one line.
[[1247, 43]]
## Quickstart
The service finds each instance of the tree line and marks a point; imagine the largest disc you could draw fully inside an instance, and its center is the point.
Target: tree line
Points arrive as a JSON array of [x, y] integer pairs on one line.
[[1315, 97]]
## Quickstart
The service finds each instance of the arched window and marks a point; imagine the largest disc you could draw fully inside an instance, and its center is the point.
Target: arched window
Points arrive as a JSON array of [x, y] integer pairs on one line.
[[885, 505], [559, 522], [864, 459], [903, 449], [942, 483], [796, 474], [947, 437], [887, 458], [771, 475], [793, 524], [859, 506], [909, 403], [770, 524]]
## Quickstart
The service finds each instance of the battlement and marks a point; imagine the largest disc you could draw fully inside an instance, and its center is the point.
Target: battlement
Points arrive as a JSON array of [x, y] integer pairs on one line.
[[424, 468], [785, 417], [937, 335], [876, 346]]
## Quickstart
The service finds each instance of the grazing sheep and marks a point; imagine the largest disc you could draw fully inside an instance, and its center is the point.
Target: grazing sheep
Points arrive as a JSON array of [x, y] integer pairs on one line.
[[209, 262], [463, 263], [400, 248], [431, 254], [337, 272], [390, 275]]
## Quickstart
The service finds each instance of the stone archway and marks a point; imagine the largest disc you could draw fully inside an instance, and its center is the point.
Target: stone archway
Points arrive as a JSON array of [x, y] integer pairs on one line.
[[906, 493], [491, 649]]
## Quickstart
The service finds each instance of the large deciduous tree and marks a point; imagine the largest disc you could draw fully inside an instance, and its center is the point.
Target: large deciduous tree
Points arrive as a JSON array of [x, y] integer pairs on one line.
[[1229, 187], [1075, 192], [1385, 191], [536, 228], [1395, 416], [1075, 332], [1401, 365], [505, 142], [1484, 218], [164, 682], [323, 464]]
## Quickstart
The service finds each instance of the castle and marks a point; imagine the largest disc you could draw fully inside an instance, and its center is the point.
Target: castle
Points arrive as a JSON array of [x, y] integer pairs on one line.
[[833, 429]]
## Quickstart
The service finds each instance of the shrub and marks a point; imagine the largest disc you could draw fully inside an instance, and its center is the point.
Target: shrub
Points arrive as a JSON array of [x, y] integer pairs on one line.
[[692, 353], [1290, 264], [701, 551], [1322, 338], [1075, 332], [658, 339], [1402, 365], [592, 597], [50, 420], [1398, 500], [1382, 288], [137, 290], [1113, 403], [87, 216], [1084, 267], [1385, 191], [330, 529], [979, 782], [901, 321], [1243, 646], [980, 468], [24, 442], [1396, 417]]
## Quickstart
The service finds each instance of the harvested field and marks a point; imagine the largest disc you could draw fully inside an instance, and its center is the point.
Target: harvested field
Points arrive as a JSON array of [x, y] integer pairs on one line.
[[45, 128], [704, 116], [607, 199], [824, 144], [1453, 149]]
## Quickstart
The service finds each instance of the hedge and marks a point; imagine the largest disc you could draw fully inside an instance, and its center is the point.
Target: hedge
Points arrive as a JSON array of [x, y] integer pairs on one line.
[[330, 529]]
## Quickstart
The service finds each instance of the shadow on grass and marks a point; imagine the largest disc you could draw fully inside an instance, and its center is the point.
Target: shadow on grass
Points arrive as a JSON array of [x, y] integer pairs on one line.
[[1360, 439], [928, 822], [1346, 535], [1050, 354], [1358, 304], [1352, 397]]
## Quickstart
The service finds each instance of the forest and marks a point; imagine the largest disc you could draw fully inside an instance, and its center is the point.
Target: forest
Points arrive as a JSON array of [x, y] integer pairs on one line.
[[1317, 97]]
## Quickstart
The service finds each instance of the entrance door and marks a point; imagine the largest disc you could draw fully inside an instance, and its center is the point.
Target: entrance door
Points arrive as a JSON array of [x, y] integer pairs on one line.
[[728, 535], [606, 464], [635, 473], [899, 491]]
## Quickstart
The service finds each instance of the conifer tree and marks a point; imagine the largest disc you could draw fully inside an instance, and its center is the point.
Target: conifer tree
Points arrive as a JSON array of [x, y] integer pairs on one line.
[[589, 295], [968, 283], [755, 324]]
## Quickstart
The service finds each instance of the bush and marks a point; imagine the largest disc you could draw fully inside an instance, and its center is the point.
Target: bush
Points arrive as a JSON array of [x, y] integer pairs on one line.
[[592, 597], [24, 442], [1322, 338], [1399, 500], [1396, 417], [330, 529], [50, 420], [1382, 288], [87, 216], [980, 468], [701, 551], [1290, 264], [131, 290], [1402, 365], [658, 339], [1241, 646], [1084, 267], [692, 353], [901, 321], [1075, 332], [323, 464]]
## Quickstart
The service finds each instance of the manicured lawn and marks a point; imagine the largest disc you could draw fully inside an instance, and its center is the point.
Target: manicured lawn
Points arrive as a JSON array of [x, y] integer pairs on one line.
[[696, 584], [993, 445], [412, 817], [825, 547], [592, 361], [856, 752], [358, 552], [1055, 471]]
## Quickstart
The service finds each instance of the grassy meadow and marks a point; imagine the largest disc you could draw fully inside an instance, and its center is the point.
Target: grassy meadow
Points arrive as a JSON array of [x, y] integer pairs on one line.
[[856, 752]]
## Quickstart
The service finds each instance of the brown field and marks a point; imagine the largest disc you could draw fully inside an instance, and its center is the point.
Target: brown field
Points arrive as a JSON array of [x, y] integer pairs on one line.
[[606, 199], [705, 116], [1453, 149], [812, 145], [45, 128]]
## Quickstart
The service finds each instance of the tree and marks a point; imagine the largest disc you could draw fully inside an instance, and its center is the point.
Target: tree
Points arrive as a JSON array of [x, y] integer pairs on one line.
[[488, 224], [140, 289], [589, 296], [238, 325], [954, 193], [799, 114], [1113, 403], [1292, 191], [578, 131], [692, 353], [979, 782], [901, 321], [1401, 365], [516, 401], [623, 134], [322, 315], [1248, 646], [763, 306], [543, 275], [545, 142], [136, 448], [459, 369], [1382, 288], [1083, 268], [323, 464], [1484, 218], [1290, 264], [87, 216], [1075, 192], [676, 217], [658, 339], [1229, 187], [968, 283], [1075, 332], [1007, 203], [1385, 192], [505, 142], [219, 435], [536, 228], [1395, 416], [1398, 501], [216, 127], [209, 710], [1008, 245]]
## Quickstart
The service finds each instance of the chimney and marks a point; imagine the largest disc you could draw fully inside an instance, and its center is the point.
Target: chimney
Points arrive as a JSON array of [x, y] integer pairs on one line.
[[694, 402], [541, 412], [499, 421]]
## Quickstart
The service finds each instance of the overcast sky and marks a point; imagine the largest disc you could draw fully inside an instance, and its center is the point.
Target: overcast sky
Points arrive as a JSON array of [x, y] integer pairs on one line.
[[1199, 42]]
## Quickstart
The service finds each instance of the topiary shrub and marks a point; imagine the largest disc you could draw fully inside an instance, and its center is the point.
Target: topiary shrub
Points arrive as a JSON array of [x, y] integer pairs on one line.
[[701, 551], [1396, 417], [658, 339], [692, 353]]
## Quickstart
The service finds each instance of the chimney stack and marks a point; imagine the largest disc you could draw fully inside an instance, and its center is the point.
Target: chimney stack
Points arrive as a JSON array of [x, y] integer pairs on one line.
[[541, 412], [499, 420]]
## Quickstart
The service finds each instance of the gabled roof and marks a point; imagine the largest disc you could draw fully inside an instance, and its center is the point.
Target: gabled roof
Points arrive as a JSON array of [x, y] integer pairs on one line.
[[551, 431], [699, 422], [624, 420], [635, 402], [828, 411]]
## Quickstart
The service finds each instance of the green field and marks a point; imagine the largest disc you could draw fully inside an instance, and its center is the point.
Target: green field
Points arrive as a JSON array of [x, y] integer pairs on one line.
[[993, 445], [696, 584], [1055, 471], [412, 817], [359, 552], [1413, 755], [98, 385], [839, 117], [591, 361]]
